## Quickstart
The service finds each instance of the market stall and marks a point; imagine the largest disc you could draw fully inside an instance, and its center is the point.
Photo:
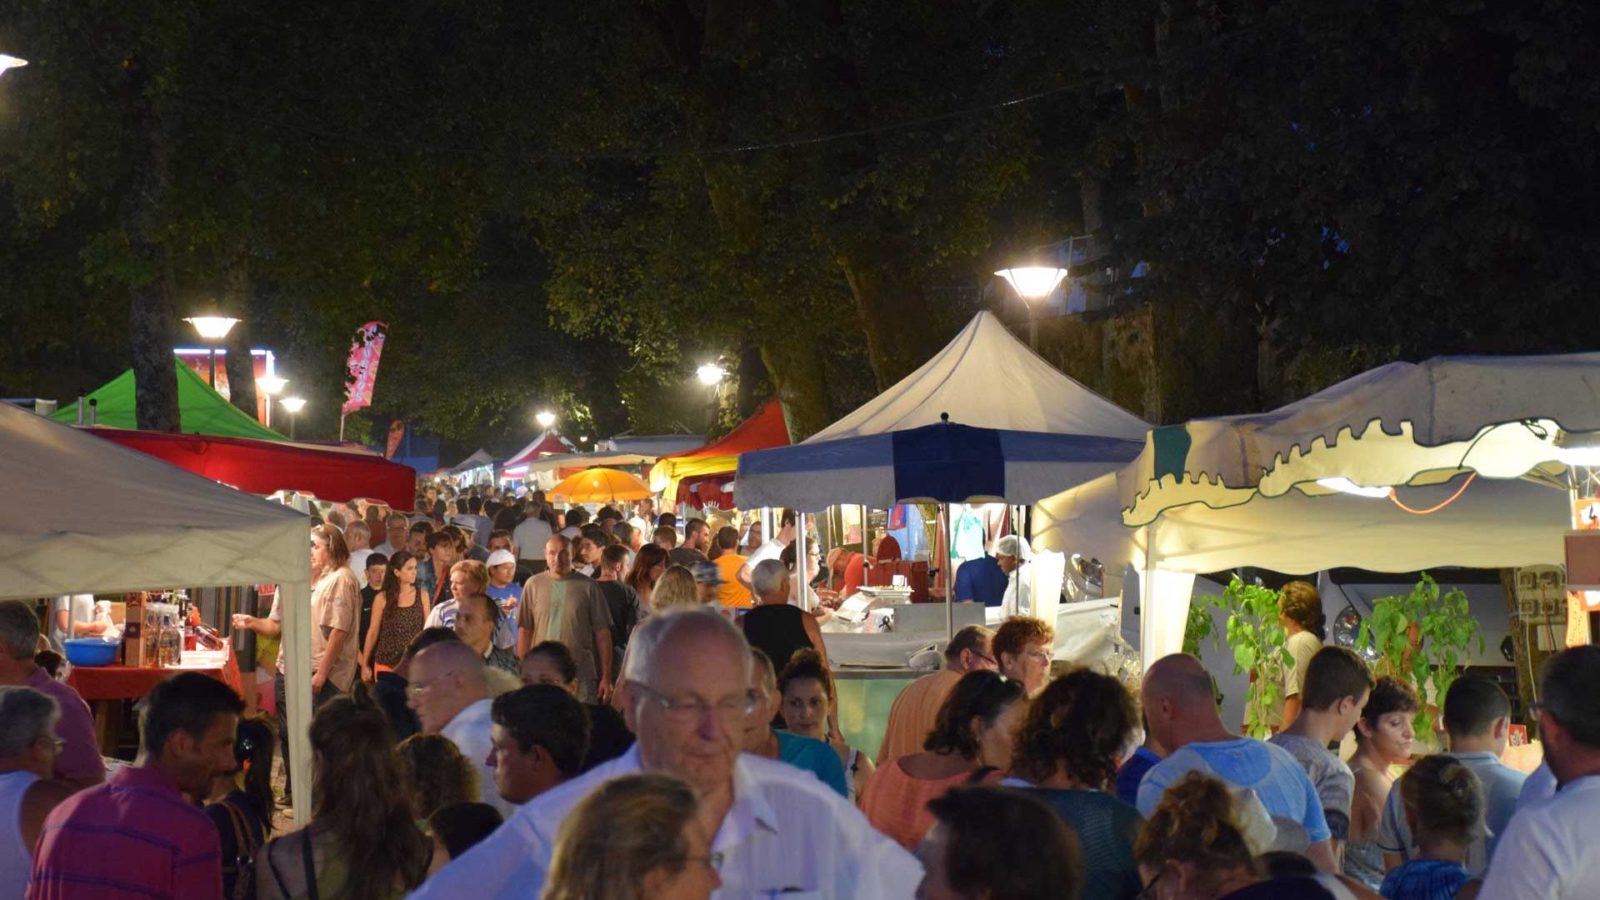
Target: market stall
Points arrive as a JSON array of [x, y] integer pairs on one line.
[[521, 464], [87, 516], [984, 419], [201, 410], [1456, 420], [701, 477]]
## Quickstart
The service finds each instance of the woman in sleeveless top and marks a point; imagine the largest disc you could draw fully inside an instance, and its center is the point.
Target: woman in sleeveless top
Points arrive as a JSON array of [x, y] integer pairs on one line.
[[398, 615], [809, 705], [26, 794], [1383, 739]]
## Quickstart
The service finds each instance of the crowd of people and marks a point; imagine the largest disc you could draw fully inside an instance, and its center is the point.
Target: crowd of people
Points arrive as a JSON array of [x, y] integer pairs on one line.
[[627, 719]]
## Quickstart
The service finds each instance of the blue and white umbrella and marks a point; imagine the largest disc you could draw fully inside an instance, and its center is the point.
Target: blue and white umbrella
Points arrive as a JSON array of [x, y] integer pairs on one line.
[[943, 463]]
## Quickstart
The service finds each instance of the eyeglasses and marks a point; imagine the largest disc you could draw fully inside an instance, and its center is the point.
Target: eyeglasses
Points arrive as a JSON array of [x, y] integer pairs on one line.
[[686, 712], [416, 688], [1040, 655], [713, 861]]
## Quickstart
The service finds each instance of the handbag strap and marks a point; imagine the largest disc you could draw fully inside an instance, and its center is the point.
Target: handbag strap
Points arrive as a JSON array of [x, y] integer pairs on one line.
[[311, 870]]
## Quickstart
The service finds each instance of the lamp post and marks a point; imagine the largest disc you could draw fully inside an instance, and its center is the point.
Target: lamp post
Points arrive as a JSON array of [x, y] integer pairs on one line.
[[711, 374], [293, 405], [1033, 283], [271, 386], [212, 329], [10, 62], [545, 418]]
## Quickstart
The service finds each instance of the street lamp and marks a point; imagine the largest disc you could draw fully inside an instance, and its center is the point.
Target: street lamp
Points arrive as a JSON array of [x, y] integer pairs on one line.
[[1033, 283], [10, 62], [545, 418], [711, 374], [293, 405], [212, 329], [272, 386]]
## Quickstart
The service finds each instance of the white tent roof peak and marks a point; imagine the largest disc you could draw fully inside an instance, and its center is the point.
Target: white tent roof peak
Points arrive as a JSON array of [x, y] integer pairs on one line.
[[986, 378]]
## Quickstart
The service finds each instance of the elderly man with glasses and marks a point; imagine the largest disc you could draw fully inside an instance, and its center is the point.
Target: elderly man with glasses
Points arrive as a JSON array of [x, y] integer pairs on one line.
[[686, 694]]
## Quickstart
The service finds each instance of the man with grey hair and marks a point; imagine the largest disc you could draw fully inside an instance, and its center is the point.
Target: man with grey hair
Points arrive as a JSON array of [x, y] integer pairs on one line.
[[686, 694], [79, 763], [449, 691], [358, 537], [28, 749]]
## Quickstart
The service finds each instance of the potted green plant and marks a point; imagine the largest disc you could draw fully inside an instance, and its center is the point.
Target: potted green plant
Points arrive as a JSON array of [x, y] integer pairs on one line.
[[1256, 637], [1422, 638]]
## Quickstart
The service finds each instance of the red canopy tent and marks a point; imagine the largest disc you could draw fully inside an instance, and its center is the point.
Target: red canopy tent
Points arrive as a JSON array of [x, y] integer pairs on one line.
[[702, 477], [548, 443], [263, 467]]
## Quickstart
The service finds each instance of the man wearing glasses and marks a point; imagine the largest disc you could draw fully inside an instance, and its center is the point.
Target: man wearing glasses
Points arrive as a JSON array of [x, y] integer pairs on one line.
[[917, 706], [686, 693]]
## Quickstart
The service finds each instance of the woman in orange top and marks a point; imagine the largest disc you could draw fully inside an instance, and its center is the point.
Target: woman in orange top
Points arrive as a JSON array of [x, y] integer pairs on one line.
[[969, 744]]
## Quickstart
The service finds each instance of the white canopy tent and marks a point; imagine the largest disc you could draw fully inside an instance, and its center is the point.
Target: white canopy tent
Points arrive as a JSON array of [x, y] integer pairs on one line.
[[1403, 423], [986, 378], [1275, 489], [85, 515]]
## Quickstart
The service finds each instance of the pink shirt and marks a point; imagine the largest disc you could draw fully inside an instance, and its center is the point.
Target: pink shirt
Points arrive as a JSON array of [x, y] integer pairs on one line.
[[133, 837], [79, 759]]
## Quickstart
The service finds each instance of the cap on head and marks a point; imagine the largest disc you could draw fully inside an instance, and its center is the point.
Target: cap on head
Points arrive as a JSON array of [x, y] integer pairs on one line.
[[500, 557]]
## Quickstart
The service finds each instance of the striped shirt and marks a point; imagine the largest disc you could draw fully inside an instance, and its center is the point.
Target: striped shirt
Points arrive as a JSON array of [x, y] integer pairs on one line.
[[133, 837]]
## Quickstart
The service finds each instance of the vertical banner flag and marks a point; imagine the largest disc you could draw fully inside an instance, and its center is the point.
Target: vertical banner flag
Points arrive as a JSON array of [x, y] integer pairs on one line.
[[397, 433], [362, 369]]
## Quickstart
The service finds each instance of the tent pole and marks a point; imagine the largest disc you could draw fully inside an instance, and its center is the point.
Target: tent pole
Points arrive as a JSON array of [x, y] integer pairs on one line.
[[950, 573], [800, 562], [864, 553], [295, 605], [1146, 595]]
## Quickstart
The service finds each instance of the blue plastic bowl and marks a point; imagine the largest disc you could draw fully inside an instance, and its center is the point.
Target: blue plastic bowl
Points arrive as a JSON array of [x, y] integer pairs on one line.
[[90, 652]]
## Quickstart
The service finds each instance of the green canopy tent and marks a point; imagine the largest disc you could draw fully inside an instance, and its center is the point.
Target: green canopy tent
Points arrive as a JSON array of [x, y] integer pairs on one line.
[[201, 409]]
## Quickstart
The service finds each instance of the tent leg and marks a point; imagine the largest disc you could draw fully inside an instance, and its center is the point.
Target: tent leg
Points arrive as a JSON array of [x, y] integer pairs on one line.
[[801, 592], [950, 575], [296, 608], [865, 554]]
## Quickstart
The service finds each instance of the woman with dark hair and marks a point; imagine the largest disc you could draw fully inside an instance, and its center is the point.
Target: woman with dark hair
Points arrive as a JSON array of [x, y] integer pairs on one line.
[[809, 704], [1300, 613], [637, 837], [994, 842], [397, 616], [436, 774], [1067, 752], [970, 743], [242, 803], [649, 564], [363, 842], [1384, 738], [458, 828]]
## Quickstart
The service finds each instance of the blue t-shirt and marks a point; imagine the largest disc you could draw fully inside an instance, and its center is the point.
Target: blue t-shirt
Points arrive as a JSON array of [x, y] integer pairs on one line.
[[815, 757], [1424, 879], [981, 579], [508, 619], [1270, 771], [1132, 772]]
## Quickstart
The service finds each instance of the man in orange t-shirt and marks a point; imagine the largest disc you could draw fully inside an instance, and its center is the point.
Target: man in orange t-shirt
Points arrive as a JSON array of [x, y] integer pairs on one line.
[[725, 554], [917, 707]]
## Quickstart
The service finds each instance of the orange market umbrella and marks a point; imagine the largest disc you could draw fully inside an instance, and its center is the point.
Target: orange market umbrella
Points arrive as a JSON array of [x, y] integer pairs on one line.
[[600, 486]]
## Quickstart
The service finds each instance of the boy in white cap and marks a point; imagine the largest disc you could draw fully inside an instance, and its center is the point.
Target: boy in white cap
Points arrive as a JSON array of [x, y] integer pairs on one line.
[[504, 590]]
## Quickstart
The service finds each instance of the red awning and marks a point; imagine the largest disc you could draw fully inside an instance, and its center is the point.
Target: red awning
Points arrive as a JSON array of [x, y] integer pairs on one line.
[[763, 430], [549, 443], [262, 467]]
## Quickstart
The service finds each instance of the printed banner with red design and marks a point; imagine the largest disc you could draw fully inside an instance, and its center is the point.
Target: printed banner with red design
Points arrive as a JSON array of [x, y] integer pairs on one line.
[[362, 369]]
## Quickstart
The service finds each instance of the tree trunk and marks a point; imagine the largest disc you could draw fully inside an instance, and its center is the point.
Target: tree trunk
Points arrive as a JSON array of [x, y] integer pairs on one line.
[[151, 320], [241, 365], [797, 372], [892, 312]]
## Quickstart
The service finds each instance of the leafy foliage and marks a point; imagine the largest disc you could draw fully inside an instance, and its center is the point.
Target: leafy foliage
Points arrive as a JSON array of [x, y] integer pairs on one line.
[[1256, 637], [1422, 638]]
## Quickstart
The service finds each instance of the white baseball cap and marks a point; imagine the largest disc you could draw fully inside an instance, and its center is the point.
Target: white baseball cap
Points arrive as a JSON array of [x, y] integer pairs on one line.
[[500, 557]]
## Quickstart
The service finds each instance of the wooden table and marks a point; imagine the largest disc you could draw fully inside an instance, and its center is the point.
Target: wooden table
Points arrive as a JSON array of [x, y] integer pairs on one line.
[[106, 688]]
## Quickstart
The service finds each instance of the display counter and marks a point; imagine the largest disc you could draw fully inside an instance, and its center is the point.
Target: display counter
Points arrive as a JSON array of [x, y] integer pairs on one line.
[[106, 688]]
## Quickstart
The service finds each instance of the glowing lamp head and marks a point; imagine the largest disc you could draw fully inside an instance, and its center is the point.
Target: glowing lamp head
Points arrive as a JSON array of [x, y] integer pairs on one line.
[[10, 62], [293, 404], [1033, 282], [271, 385], [545, 418], [1578, 449], [212, 328], [710, 374]]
